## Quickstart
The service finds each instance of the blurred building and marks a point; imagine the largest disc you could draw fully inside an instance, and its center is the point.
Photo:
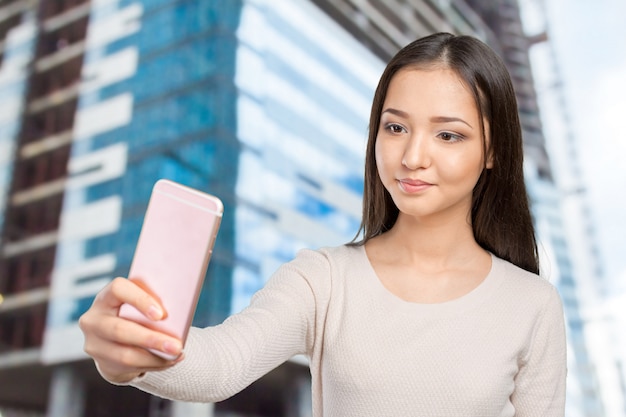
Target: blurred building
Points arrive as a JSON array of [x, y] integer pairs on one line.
[[264, 103], [599, 389]]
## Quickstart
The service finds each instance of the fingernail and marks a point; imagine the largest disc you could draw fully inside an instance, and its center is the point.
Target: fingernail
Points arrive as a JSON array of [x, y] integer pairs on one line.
[[171, 347], [155, 313]]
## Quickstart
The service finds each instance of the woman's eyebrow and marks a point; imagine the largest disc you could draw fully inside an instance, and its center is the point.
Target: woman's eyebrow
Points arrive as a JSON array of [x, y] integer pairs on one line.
[[448, 119], [434, 119], [397, 112]]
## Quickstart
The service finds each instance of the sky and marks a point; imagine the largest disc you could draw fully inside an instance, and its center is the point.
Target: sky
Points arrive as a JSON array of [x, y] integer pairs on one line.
[[589, 40]]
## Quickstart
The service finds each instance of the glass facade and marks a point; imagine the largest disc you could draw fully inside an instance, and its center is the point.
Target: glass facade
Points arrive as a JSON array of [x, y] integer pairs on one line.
[[17, 54], [304, 89], [275, 125]]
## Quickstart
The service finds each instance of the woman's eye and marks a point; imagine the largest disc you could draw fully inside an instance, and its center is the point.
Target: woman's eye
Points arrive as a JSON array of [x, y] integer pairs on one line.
[[450, 137], [395, 128]]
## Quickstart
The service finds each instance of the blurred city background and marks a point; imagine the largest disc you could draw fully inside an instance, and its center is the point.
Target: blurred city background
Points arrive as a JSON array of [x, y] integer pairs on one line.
[[265, 103]]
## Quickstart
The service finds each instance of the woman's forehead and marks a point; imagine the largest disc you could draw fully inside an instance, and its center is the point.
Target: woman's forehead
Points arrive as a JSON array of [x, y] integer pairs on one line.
[[431, 90]]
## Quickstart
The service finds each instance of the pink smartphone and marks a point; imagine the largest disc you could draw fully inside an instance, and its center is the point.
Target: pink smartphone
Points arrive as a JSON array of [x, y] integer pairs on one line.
[[173, 253]]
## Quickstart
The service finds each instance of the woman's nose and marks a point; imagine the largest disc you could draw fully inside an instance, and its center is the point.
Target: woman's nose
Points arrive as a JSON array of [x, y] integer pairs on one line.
[[416, 153]]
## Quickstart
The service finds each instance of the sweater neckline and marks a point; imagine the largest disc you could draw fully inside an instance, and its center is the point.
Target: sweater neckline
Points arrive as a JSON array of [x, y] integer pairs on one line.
[[471, 299]]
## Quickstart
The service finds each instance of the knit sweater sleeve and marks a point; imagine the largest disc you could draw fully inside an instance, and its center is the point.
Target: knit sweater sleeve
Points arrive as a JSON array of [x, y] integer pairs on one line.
[[279, 323], [540, 382]]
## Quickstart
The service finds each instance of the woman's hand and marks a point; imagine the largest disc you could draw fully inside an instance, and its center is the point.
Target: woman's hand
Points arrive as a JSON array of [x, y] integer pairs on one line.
[[117, 345]]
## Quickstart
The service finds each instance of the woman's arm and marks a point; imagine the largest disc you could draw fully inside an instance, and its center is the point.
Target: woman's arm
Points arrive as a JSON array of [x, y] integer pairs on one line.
[[540, 382], [222, 360]]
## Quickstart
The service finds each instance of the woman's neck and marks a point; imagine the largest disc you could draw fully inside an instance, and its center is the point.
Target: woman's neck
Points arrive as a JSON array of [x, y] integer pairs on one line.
[[428, 262], [439, 241]]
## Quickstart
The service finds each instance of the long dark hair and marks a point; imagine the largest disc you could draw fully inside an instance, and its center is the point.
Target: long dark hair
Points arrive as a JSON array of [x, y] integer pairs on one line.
[[501, 218]]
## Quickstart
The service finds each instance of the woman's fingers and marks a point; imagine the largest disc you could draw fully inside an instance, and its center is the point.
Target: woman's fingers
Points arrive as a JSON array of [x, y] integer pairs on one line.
[[127, 333], [123, 363], [120, 346], [121, 290]]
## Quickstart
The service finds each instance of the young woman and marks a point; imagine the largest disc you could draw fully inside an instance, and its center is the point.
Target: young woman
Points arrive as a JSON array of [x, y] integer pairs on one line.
[[436, 311]]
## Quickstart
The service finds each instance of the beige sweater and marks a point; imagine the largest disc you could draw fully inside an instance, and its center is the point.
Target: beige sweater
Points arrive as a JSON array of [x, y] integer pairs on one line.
[[498, 351]]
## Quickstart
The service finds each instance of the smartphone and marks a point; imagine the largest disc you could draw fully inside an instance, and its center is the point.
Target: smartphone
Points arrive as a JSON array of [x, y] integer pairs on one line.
[[173, 253]]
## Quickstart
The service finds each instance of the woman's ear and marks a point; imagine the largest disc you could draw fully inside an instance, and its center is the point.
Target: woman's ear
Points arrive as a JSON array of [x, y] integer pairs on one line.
[[489, 161]]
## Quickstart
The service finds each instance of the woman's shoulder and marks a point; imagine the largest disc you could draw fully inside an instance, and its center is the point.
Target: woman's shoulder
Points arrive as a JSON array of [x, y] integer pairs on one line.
[[325, 261], [334, 256], [522, 284], [327, 264], [316, 270]]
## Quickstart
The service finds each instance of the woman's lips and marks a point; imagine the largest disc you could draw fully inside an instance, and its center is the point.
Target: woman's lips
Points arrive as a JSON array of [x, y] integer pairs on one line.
[[413, 186]]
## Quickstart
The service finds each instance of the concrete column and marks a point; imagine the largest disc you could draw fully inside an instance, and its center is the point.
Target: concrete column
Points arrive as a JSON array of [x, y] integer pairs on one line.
[[181, 409], [66, 397]]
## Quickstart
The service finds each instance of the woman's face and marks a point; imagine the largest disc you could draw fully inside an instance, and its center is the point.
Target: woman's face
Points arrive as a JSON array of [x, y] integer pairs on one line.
[[429, 146]]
